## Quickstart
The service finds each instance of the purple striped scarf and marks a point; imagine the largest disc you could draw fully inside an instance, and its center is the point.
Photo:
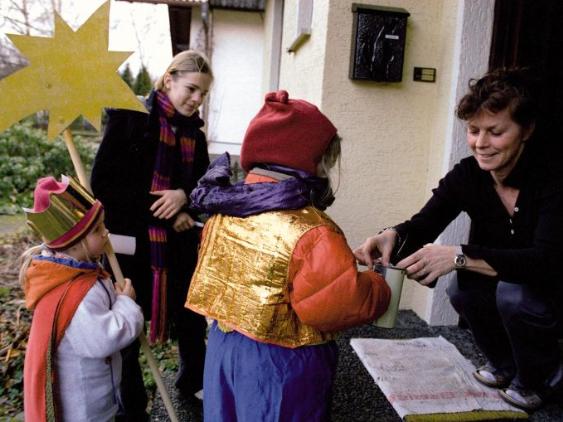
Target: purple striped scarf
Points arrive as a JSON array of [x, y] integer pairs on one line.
[[161, 180]]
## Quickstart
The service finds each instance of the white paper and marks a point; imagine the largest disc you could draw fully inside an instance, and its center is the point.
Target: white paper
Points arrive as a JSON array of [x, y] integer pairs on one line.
[[122, 244], [426, 375]]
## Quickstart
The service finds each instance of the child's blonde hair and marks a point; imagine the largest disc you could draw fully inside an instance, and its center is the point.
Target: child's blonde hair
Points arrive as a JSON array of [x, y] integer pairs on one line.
[[25, 260], [189, 61], [27, 256], [330, 158]]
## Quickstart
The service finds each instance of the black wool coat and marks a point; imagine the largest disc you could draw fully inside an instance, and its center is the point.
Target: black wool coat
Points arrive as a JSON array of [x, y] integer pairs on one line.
[[121, 180]]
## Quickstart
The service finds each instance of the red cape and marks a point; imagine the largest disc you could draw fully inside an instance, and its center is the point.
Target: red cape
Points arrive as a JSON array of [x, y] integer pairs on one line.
[[54, 309]]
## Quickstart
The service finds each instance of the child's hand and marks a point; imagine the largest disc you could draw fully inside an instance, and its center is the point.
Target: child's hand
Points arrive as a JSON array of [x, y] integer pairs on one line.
[[126, 290], [183, 222]]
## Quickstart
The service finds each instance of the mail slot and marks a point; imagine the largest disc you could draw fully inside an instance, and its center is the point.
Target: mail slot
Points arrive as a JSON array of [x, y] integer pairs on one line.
[[378, 43]]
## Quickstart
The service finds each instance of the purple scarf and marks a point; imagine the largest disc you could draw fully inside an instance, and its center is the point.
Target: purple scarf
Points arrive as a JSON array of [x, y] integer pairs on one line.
[[161, 180], [215, 194]]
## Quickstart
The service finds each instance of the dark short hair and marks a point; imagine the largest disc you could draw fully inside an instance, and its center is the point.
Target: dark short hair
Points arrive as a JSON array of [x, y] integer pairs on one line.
[[502, 88]]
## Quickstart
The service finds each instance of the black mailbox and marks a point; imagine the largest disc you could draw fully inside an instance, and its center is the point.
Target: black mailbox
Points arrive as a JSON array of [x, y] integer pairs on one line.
[[378, 43]]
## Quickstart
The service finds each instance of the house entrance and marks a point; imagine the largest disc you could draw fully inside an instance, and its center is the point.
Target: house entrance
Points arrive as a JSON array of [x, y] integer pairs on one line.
[[530, 33]]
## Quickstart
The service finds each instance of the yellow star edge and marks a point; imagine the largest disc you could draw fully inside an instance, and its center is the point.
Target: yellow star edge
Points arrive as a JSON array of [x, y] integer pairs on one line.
[[70, 74]]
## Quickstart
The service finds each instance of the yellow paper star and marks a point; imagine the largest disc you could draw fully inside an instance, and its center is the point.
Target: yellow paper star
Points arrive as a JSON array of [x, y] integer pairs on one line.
[[69, 75]]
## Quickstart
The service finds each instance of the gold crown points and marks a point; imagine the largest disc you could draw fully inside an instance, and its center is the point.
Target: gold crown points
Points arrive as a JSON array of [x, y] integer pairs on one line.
[[65, 211]]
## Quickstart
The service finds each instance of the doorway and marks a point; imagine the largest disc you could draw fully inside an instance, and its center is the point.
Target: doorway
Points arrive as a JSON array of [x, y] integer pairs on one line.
[[530, 33]]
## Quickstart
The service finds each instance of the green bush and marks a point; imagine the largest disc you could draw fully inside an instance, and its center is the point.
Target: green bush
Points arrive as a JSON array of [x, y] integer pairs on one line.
[[143, 84], [166, 355], [25, 156], [127, 76]]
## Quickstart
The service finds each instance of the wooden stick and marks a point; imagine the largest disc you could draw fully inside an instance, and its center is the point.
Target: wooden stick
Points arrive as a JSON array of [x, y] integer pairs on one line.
[[118, 274], [76, 160], [153, 365]]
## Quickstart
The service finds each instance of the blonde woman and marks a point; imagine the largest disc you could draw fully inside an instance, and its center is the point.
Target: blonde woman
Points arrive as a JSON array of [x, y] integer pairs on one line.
[[145, 168]]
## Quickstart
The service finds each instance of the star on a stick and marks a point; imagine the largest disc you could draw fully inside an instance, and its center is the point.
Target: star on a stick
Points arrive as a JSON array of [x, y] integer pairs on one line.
[[69, 75]]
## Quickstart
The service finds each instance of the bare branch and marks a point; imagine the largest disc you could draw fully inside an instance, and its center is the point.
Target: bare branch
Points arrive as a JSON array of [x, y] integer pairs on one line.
[[138, 38], [23, 27], [10, 59], [27, 16]]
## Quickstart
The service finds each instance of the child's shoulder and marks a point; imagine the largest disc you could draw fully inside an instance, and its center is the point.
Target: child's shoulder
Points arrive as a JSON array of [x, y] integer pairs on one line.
[[312, 217], [100, 296]]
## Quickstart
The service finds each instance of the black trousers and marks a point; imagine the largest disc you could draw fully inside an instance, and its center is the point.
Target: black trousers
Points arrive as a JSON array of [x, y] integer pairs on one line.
[[516, 326], [189, 379], [189, 328], [133, 394]]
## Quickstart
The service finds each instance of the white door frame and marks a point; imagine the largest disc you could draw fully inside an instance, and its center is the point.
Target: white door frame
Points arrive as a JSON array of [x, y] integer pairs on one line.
[[473, 40]]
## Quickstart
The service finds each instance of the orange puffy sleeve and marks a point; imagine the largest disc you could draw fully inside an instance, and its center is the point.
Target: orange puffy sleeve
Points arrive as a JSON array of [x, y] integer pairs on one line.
[[326, 289]]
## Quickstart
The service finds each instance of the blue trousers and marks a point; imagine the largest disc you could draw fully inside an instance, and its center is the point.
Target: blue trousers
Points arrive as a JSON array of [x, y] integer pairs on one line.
[[517, 327], [248, 381]]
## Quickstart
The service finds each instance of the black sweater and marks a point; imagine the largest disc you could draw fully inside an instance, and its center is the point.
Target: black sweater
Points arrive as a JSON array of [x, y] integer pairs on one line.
[[526, 247]]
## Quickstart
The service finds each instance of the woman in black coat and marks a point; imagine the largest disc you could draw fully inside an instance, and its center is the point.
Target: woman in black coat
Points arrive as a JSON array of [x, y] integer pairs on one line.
[[144, 171]]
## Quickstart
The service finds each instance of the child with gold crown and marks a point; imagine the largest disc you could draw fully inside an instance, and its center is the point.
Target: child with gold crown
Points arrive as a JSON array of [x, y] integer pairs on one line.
[[80, 321]]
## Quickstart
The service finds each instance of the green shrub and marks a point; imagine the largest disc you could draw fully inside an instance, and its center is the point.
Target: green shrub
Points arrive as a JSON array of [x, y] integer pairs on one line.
[[166, 355], [25, 156], [127, 76], [143, 84]]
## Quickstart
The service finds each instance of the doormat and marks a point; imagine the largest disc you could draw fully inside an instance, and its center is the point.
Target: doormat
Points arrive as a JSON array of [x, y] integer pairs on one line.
[[427, 380]]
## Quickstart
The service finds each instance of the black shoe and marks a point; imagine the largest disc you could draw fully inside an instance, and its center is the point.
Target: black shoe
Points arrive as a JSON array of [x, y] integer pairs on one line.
[[193, 404], [140, 417]]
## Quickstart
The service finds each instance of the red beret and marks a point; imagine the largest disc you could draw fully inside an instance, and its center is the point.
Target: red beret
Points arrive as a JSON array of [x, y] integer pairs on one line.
[[292, 133]]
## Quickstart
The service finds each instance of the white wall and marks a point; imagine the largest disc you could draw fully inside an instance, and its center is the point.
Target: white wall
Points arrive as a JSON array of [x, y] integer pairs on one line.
[[237, 61], [273, 32], [301, 72], [470, 60]]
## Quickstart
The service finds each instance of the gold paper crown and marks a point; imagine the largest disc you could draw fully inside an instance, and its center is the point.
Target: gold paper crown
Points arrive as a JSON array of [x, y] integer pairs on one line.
[[63, 213]]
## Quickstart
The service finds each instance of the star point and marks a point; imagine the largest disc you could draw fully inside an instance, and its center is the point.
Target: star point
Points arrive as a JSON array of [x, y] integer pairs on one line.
[[70, 74]]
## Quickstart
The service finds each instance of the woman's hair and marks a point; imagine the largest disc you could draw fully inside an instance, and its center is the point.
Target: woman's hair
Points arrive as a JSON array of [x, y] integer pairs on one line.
[[189, 61], [511, 88]]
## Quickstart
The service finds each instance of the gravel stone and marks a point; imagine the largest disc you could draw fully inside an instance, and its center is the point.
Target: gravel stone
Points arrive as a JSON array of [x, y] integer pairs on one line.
[[356, 397]]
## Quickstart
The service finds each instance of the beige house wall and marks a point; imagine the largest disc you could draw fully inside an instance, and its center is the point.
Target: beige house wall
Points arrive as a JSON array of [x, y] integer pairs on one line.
[[395, 134]]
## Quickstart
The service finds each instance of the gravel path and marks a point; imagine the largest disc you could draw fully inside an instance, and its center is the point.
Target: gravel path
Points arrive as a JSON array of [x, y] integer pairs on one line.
[[356, 397]]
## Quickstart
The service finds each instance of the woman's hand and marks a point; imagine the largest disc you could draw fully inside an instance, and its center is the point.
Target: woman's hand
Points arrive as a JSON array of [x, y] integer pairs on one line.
[[169, 203], [183, 222], [379, 246], [127, 289], [429, 262]]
